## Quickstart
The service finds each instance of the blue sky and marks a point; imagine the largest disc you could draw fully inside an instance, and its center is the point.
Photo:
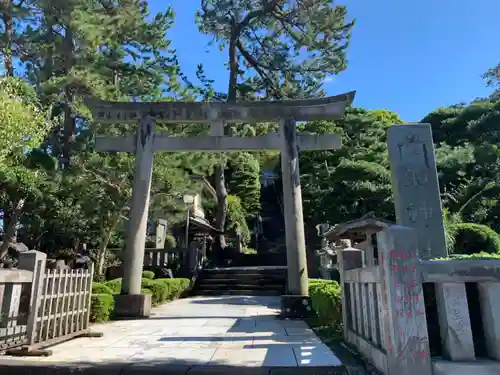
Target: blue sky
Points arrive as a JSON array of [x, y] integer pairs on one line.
[[406, 56]]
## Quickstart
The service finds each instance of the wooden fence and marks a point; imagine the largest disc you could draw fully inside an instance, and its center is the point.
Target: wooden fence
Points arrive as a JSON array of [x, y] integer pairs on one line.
[[42, 307], [402, 330]]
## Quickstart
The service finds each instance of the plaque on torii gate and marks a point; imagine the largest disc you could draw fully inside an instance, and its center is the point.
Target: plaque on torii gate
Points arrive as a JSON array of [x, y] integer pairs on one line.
[[146, 142]]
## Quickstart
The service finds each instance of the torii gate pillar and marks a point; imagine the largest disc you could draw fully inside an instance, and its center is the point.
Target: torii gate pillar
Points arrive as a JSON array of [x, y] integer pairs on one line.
[[296, 256]]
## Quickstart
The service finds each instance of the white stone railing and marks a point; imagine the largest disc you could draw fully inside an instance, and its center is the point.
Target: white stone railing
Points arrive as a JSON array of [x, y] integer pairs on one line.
[[386, 314], [41, 307]]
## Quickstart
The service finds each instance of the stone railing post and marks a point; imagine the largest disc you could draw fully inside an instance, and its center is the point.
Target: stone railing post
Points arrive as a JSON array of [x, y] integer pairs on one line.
[[10, 297], [348, 258], [33, 261], [490, 306], [403, 308], [454, 321]]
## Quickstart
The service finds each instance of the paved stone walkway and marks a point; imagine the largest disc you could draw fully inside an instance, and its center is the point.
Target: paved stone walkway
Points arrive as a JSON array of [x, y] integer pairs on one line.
[[228, 331]]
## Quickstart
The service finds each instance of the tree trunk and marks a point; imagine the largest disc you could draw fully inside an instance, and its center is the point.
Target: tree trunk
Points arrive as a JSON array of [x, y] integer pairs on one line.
[[69, 121], [10, 230], [103, 244], [220, 183], [6, 11]]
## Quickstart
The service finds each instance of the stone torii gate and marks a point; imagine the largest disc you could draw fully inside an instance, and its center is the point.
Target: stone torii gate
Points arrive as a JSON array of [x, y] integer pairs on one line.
[[130, 303]]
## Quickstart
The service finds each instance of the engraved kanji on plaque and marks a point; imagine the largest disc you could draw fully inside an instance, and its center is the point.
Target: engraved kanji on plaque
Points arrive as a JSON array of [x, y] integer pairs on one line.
[[412, 149]]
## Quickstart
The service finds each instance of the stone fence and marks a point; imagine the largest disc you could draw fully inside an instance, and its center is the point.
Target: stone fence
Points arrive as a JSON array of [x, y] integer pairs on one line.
[[191, 258], [41, 307], [161, 257], [410, 316]]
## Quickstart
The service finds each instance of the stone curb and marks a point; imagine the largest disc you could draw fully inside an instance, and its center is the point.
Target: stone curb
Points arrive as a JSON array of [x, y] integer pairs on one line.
[[36, 368]]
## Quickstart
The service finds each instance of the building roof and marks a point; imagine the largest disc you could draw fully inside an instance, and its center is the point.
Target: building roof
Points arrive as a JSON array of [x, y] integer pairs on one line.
[[344, 230]]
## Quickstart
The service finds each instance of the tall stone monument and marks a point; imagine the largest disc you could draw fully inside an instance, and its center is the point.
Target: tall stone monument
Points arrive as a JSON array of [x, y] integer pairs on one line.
[[146, 141], [416, 186]]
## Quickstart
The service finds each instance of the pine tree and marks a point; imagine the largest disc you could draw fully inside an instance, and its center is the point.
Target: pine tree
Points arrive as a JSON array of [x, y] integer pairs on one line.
[[278, 48]]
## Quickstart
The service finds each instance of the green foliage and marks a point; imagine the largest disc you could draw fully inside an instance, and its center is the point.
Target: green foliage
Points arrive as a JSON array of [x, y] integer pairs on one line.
[[244, 181], [237, 218], [24, 121], [99, 288], [101, 307], [477, 256], [115, 285], [326, 298], [492, 77], [176, 287], [170, 242], [249, 251], [474, 238], [308, 43], [159, 290], [162, 290], [148, 275]]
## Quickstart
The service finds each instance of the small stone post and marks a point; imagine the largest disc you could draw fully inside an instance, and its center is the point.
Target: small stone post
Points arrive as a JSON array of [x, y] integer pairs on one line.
[[33, 261], [402, 312], [131, 303], [348, 258], [416, 187]]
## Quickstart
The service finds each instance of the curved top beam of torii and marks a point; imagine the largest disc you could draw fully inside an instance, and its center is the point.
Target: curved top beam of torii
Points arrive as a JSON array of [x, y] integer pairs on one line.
[[328, 108]]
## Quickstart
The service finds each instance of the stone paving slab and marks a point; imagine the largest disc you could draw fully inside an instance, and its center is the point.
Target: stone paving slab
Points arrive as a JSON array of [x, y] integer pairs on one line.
[[195, 333]]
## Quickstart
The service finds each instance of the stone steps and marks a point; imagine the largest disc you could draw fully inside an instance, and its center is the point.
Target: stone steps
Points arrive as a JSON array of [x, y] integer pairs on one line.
[[238, 292], [264, 281]]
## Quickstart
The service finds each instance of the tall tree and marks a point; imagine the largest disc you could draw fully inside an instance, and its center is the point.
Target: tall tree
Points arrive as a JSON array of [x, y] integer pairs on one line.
[[276, 49], [15, 17], [108, 50]]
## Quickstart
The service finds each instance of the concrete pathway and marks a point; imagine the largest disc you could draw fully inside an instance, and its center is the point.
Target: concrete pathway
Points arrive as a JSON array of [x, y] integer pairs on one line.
[[223, 331]]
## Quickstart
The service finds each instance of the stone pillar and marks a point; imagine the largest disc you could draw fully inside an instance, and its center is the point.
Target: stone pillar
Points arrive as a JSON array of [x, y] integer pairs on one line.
[[416, 187], [403, 323], [348, 258], [298, 282], [131, 303]]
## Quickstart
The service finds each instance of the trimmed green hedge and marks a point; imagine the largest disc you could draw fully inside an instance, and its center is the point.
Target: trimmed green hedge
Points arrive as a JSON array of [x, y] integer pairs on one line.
[[101, 307], [326, 299], [115, 285], [477, 256], [176, 287], [474, 238], [99, 288], [161, 290], [148, 275]]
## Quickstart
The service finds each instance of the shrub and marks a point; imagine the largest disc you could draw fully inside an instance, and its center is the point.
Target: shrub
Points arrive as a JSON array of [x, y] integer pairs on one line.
[[101, 307], [170, 242], [477, 256], [159, 290], [326, 299], [473, 238], [115, 285], [98, 288], [148, 275], [236, 218], [176, 287]]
